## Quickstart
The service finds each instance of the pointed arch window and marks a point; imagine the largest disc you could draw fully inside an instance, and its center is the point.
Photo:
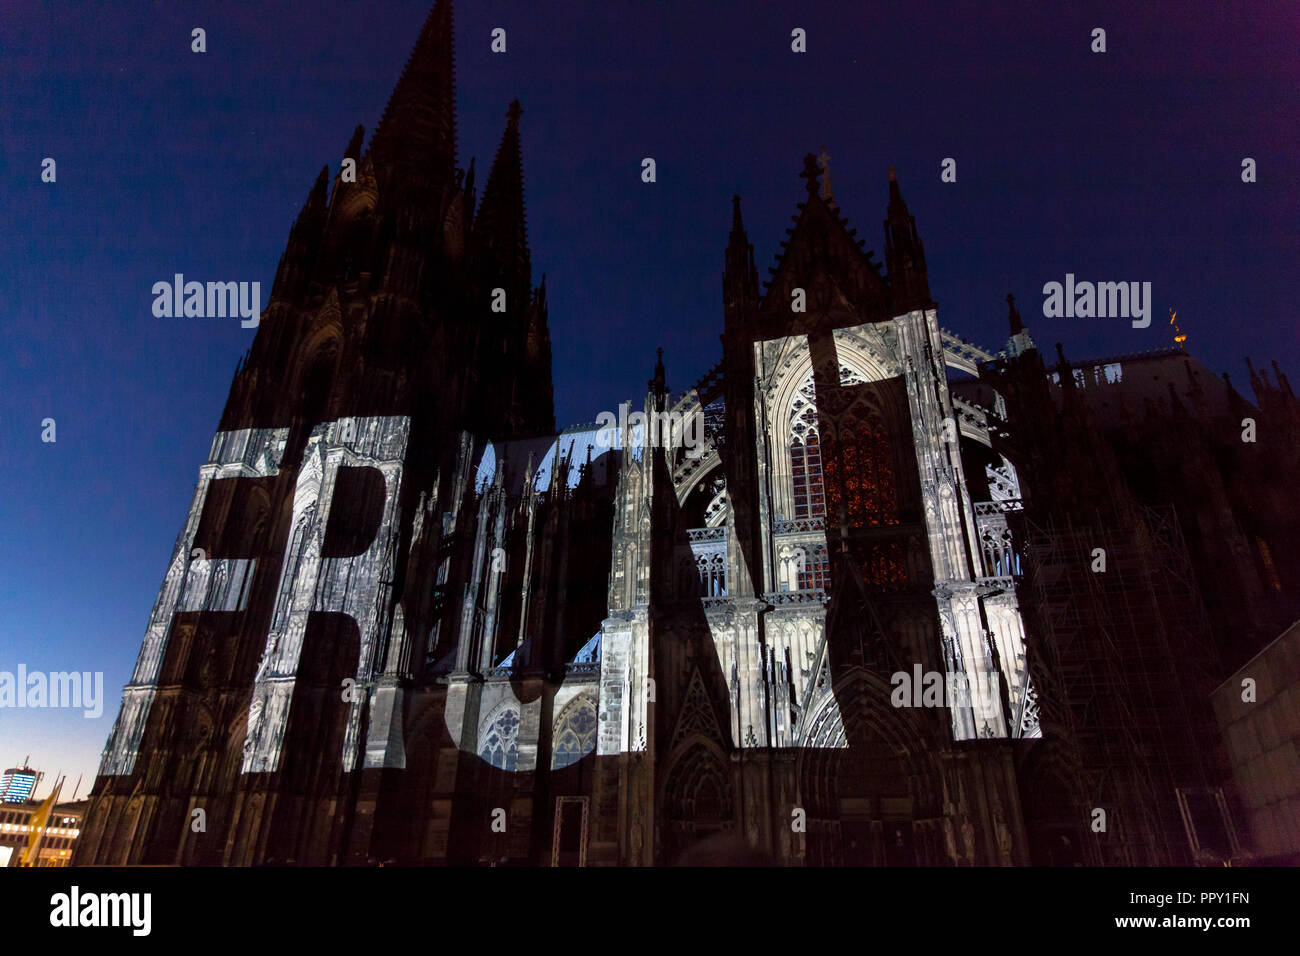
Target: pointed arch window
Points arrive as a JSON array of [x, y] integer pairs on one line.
[[806, 455], [711, 567], [807, 446], [575, 733], [501, 741], [860, 483]]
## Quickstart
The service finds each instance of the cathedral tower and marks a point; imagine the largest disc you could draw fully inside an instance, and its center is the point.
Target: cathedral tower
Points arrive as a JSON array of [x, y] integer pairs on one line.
[[300, 598]]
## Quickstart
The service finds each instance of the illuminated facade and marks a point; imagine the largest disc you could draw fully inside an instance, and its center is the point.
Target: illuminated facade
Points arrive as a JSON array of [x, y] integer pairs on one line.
[[17, 784], [57, 841], [404, 619]]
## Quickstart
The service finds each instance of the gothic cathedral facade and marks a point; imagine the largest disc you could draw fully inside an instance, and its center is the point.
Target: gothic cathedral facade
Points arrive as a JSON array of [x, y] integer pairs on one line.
[[405, 619]]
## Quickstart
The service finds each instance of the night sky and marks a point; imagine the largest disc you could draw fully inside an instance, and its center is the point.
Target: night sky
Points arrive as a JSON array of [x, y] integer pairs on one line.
[[1117, 166]]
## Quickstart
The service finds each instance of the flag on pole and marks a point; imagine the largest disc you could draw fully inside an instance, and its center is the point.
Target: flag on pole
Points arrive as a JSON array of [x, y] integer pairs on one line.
[[40, 819]]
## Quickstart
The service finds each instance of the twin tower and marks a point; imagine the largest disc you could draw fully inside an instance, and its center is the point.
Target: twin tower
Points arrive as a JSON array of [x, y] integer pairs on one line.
[[404, 619]]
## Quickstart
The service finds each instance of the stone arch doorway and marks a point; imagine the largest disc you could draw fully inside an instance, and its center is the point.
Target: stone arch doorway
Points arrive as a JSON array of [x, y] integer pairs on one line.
[[697, 802], [872, 795]]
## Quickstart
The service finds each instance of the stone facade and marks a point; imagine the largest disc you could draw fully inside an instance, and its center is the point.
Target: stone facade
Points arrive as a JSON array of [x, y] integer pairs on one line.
[[405, 619]]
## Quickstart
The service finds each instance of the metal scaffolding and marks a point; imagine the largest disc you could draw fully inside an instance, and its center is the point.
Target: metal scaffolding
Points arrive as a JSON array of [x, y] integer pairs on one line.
[[1126, 669]]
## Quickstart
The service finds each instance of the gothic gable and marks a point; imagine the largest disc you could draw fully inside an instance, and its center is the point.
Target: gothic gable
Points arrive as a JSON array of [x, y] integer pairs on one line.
[[841, 283], [697, 715]]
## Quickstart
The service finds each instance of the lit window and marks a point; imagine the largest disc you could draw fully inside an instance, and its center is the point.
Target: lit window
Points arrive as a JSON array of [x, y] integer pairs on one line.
[[806, 471], [501, 742], [815, 571], [575, 733], [805, 454], [859, 472]]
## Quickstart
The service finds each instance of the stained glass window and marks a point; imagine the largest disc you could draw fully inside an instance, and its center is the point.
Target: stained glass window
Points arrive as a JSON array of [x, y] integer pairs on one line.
[[575, 733], [806, 455], [859, 471], [806, 471], [815, 571], [882, 562], [501, 742], [809, 490]]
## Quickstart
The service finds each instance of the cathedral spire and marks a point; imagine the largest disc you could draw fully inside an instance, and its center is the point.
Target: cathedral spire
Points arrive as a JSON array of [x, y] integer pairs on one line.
[[904, 254], [1013, 316], [353, 150], [824, 161], [315, 204], [304, 238], [540, 394], [740, 277], [1258, 383], [415, 141], [1020, 342], [501, 229], [810, 174], [659, 384], [1065, 372], [1235, 401], [1282, 382]]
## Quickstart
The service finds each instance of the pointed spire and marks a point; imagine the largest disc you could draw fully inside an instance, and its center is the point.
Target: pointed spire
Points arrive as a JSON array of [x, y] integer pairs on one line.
[[351, 151], [824, 161], [1013, 316], [354, 144], [1282, 382], [904, 254], [304, 238], [740, 276], [315, 204], [1235, 401], [739, 257], [501, 229], [415, 141], [810, 173], [1258, 383], [537, 342], [659, 384], [470, 195], [1065, 370]]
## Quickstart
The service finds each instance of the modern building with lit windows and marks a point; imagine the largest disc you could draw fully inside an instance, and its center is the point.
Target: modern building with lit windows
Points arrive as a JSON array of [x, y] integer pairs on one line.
[[58, 840]]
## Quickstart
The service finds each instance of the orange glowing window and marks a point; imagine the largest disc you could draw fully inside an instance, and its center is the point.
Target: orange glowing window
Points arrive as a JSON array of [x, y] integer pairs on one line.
[[860, 485]]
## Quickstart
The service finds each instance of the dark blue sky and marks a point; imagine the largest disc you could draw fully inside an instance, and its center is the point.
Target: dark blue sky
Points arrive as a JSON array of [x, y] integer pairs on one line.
[[1122, 166]]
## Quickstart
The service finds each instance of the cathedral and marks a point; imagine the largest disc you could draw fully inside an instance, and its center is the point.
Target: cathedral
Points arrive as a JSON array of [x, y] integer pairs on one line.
[[872, 595]]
